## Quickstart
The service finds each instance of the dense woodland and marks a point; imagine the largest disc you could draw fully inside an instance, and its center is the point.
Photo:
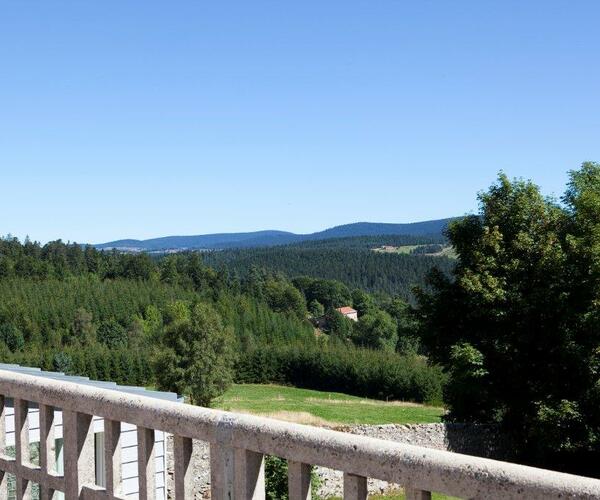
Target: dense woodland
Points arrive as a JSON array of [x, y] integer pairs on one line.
[[350, 261], [369, 242]]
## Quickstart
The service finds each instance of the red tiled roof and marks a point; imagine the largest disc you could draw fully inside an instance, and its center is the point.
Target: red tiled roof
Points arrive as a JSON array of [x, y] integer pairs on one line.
[[346, 310]]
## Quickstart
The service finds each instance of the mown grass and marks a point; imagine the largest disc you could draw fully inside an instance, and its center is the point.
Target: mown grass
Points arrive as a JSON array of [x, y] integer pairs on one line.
[[326, 408]]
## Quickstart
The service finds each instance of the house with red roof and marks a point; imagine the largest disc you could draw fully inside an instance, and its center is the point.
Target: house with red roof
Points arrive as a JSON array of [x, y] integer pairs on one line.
[[348, 312]]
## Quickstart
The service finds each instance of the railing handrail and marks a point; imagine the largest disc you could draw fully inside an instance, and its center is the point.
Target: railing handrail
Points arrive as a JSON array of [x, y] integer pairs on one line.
[[412, 466]]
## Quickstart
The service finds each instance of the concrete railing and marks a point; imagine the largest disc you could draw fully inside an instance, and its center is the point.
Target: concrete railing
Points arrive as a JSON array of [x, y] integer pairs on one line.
[[238, 444]]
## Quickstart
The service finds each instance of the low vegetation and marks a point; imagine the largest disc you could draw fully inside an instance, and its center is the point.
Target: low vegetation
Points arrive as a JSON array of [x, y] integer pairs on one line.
[[322, 408]]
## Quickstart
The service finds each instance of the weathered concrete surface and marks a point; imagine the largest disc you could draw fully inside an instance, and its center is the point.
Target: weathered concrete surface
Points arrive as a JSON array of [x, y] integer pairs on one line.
[[476, 440]]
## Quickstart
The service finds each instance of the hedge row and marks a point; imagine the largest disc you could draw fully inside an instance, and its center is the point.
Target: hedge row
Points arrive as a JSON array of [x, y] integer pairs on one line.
[[354, 371], [123, 366]]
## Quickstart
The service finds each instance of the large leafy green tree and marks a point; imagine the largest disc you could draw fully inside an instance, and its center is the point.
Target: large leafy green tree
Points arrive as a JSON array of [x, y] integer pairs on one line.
[[517, 324], [330, 293], [338, 326], [363, 302], [408, 325], [315, 308], [282, 296], [377, 330], [196, 354]]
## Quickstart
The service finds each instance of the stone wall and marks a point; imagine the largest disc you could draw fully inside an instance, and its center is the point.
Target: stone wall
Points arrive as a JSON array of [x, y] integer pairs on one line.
[[478, 440]]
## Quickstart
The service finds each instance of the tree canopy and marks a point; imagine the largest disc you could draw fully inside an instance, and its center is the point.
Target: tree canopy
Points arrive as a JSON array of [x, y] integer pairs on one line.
[[195, 355], [517, 323]]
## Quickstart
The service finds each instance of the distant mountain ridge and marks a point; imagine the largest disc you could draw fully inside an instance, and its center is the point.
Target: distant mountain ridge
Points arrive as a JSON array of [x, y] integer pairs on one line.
[[275, 238]]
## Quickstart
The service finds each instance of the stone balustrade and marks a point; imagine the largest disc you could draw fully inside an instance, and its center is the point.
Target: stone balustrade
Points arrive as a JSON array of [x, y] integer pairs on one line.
[[238, 444]]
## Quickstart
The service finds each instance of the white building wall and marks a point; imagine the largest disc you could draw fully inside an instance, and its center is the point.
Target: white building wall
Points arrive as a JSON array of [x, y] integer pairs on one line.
[[128, 447]]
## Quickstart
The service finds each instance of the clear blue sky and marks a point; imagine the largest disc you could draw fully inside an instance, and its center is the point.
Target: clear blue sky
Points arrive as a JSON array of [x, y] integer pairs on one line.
[[146, 118]]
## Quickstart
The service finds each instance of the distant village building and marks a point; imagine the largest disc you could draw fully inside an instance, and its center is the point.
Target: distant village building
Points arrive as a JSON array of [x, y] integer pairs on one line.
[[321, 322], [348, 312]]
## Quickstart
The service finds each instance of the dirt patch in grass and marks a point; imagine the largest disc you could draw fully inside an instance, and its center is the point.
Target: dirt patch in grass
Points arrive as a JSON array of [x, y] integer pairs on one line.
[[298, 417], [405, 404]]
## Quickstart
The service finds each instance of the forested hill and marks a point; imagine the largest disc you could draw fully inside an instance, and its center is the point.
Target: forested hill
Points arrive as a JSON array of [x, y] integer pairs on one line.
[[433, 228], [425, 228], [393, 274], [371, 242]]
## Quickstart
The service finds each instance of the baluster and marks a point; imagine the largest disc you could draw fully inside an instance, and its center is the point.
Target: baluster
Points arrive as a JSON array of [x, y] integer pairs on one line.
[[221, 472], [21, 432], [3, 427], [249, 475], [22, 455], [78, 435], [3, 474], [46, 493], [182, 457], [112, 456], [47, 447], [146, 465], [3, 485], [355, 487], [47, 439], [298, 481], [23, 488], [415, 494]]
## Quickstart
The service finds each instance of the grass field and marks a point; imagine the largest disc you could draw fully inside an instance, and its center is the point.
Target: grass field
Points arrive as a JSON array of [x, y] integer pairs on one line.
[[405, 249], [322, 408], [447, 251]]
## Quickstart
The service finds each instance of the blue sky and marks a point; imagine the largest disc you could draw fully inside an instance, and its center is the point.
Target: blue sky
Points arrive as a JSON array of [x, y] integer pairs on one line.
[[146, 118]]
